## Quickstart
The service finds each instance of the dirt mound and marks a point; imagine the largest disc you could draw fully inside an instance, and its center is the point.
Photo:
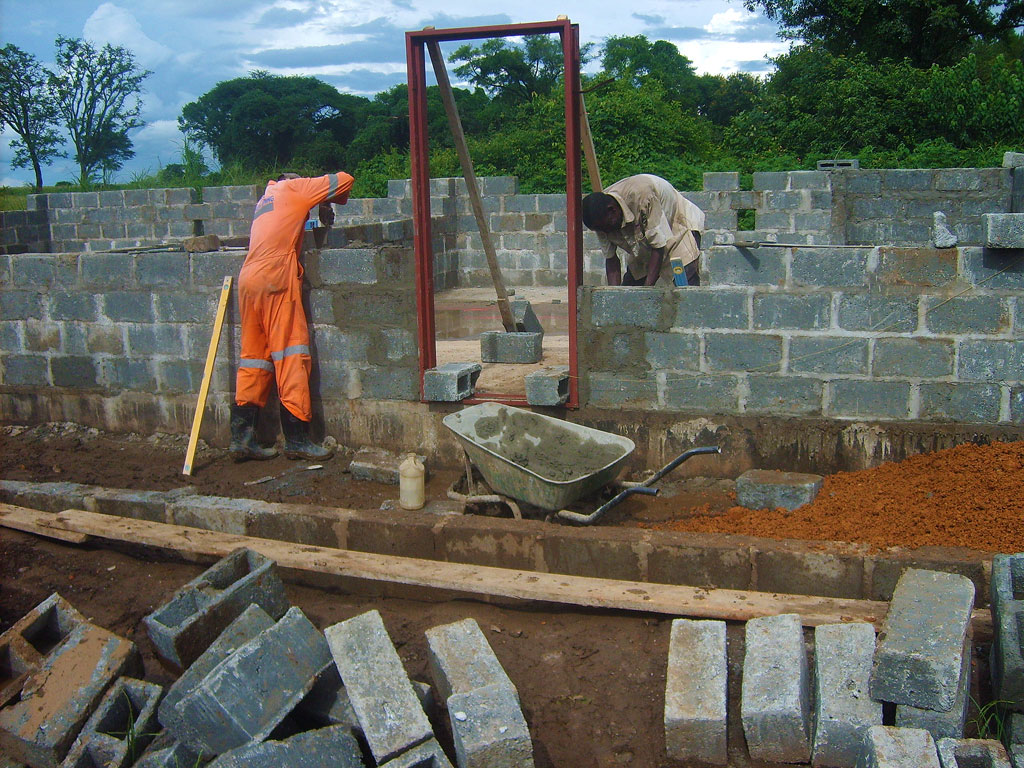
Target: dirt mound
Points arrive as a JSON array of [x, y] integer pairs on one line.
[[967, 496]]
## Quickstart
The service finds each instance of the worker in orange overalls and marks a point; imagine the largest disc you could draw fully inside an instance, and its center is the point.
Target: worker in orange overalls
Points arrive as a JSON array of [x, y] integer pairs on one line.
[[275, 337]]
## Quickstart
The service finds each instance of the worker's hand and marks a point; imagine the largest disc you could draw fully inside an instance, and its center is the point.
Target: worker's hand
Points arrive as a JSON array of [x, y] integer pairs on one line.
[[325, 212]]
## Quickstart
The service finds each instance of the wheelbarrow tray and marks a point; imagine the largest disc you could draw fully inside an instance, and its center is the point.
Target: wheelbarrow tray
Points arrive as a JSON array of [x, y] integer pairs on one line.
[[508, 478]]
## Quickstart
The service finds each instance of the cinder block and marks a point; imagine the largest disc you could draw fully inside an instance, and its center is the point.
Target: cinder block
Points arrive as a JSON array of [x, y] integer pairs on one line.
[[962, 753], [525, 318], [250, 692], [770, 489], [870, 399], [426, 755], [776, 690], [450, 382], [1004, 230], [743, 352], [333, 746], [377, 465], [384, 700], [1017, 755], [695, 692], [328, 703], [1007, 605], [122, 726], [548, 386], [638, 307], [251, 623], [502, 347], [348, 265], [887, 747], [489, 729], [166, 752], [837, 165], [185, 626], [722, 181], [809, 311], [62, 665], [461, 660], [919, 658]]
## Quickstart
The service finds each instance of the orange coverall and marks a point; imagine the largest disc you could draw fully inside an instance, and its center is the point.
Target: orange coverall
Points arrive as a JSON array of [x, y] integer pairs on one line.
[[275, 337]]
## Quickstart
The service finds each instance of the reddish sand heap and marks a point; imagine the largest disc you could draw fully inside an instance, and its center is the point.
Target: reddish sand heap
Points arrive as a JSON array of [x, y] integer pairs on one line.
[[967, 496]]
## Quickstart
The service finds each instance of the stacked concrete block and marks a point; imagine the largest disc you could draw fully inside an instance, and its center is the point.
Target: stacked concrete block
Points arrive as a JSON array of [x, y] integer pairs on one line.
[[328, 702], [249, 625], [123, 724], [167, 752], [247, 695], [843, 708], [489, 729], [332, 746], [943, 724], [696, 692], [514, 347], [426, 755], [63, 665], [548, 386], [451, 382], [377, 465], [378, 687], [920, 655], [462, 660], [887, 747], [775, 697], [963, 753], [1007, 605], [184, 627], [771, 489], [1004, 230]]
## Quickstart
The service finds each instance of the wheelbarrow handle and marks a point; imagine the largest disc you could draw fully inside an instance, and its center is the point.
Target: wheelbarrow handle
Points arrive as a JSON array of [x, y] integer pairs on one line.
[[679, 460]]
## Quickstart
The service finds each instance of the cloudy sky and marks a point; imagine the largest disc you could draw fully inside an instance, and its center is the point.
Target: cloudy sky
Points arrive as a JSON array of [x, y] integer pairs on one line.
[[191, 45]]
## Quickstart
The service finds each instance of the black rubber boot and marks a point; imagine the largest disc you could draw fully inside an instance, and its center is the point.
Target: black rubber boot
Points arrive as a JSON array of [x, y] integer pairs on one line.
[[243, 434], [297, 444]]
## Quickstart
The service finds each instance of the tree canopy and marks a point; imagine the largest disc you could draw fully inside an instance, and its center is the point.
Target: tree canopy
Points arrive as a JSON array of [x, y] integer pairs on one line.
[[28, 108]]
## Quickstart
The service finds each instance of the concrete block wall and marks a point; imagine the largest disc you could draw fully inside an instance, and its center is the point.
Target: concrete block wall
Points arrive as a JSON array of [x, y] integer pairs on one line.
[[24, 231], [878, 334]]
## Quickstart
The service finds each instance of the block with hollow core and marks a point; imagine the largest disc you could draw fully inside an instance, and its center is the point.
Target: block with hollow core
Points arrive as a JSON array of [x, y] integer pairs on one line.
[[842, 663], [184, 627], [378, 687], [123, 724], [330, 747], [1007, 605], [451, 382], [247, 695], [772, 489], [77, 662], [696, 692], [964, 753], [517, 347], [919, 656], [489, 729], [461, 659], [525, 318], [775, 694], [888, 747], [548, 386]]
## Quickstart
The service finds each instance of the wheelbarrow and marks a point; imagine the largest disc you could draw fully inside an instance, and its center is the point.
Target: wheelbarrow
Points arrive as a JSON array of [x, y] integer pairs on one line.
[[548, 462]]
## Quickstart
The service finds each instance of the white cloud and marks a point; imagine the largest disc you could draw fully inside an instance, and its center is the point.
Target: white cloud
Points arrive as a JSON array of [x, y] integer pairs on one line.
[[112, 24], [721, 57], [11, 181], [159, 130], [730, 21]]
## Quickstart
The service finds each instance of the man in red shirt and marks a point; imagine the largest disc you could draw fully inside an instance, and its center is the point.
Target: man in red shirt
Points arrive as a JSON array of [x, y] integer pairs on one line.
[[275, 336]]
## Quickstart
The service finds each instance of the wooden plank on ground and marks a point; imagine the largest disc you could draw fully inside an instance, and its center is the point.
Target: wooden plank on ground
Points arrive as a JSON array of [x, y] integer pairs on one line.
[[40, 523], [667, 599]]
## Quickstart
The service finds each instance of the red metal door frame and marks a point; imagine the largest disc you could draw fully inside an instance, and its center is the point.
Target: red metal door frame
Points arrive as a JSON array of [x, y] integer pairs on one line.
[[415, 44]]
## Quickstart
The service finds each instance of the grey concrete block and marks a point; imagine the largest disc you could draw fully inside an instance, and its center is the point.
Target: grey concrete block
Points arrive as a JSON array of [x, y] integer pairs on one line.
[[184, 627], [426, 755], [461, 660], [19, 305], [943, 725], [72, 306], [743, 352], [348, 265], [984, 753], [728, 265], [888, 747], [771, 489], [525, 318], [966, 314], [904, 267], [1007, 604], [489, 729], [62, 666], [870, 399], [672, 351], [25, 370], [783, 395], [637, 307], [548, 386], [983, 360], [450, 382], [1017, 755], [967, 402], [162, 269], [384, 700], [722, 181], [247, 695], [799, 311], [843, 709], [776, 690], [74, 371], [377, 465], [771, 180], [123, 724], [329, 747], [247, 626], [878, 312], [709, 308], [696, 690], [128, 307], [694, 393], [919, 657], [912, 358], [1004, 230], [166, 752], [1013, 726], [502, 347]]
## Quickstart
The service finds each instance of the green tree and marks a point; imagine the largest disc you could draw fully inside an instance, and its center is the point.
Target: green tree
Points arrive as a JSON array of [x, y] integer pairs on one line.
[[268, 120], [97, 92], [510, 72], [27, 107], [633, 59], [925, 31], [725, 96]]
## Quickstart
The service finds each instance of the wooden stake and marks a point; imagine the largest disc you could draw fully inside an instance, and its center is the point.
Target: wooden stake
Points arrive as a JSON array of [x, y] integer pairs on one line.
[[204, 388], [451, 109], [588, 149]]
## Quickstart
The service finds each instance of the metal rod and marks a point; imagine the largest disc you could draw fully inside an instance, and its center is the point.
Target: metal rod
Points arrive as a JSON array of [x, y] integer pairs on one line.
[[570, 36]]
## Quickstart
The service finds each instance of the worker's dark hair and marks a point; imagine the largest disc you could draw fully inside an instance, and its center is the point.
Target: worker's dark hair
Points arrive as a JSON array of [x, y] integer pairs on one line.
[[285, 175], [594, 207]]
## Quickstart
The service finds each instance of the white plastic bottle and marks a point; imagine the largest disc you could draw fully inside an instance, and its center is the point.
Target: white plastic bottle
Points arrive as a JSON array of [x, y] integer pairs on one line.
[[410, 483]]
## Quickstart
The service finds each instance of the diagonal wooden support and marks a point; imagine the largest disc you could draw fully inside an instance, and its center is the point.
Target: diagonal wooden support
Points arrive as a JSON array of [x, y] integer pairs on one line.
[[450, 108], [589, 153]]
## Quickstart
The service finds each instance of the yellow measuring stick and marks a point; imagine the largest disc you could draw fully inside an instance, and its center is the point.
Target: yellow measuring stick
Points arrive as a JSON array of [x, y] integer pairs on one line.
[[204, 388]]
